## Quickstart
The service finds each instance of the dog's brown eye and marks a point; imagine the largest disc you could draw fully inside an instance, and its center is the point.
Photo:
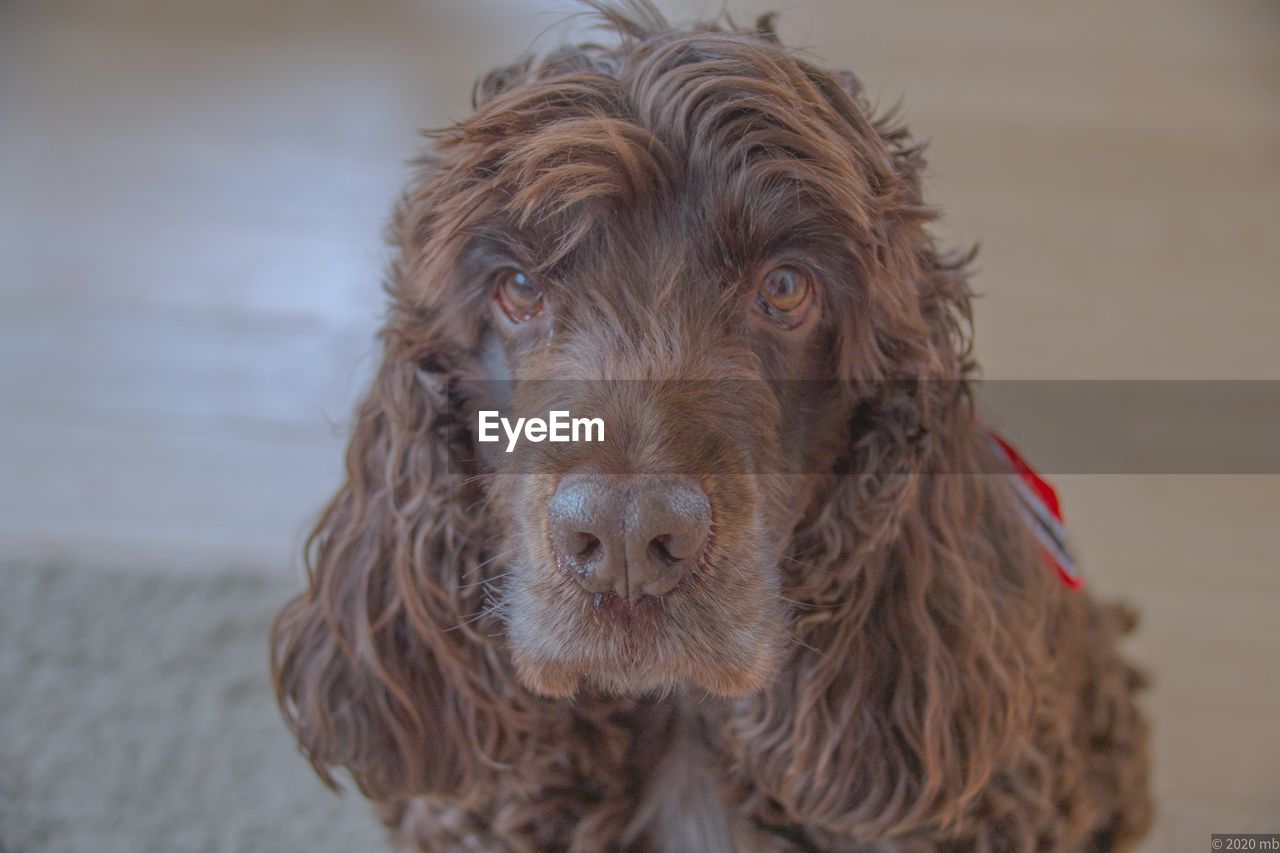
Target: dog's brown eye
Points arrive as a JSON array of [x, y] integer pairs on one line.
[[784, 295], [518, 294]]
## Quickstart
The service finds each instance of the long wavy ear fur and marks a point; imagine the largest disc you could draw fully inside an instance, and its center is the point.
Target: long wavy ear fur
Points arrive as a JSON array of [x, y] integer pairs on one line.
[[910, 682], [386, 665]]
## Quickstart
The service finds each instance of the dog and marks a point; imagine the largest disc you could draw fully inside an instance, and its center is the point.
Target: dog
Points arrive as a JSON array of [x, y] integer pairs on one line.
[[791, 602]]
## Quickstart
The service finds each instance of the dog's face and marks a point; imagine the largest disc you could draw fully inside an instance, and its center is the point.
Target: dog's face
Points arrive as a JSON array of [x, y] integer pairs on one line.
[[651, 558], [672, 238]]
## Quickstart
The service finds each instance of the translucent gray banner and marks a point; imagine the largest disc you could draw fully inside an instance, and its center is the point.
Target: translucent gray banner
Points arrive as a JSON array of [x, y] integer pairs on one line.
[[1060, 426]]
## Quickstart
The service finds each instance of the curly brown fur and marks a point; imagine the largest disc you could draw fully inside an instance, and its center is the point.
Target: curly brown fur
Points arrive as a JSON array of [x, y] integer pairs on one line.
[[871, 654]]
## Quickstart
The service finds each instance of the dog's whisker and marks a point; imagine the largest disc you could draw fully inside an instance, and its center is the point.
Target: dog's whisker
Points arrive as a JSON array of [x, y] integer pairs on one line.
[[492, 607], [509, 552], [483, 581], [801, 563], [802, 644]]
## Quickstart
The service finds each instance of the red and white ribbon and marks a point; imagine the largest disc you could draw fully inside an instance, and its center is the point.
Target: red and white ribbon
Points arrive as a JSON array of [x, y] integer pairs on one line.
[[1043, 511]]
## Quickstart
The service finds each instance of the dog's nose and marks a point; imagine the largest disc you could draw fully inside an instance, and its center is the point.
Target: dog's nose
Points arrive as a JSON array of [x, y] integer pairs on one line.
[[632, 536]]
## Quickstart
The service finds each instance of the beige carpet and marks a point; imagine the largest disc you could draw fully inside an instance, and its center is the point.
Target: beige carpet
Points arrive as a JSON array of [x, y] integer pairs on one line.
[[136, 715]]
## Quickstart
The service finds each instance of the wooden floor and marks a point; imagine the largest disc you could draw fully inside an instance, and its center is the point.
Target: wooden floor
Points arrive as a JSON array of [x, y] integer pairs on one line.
[[191, 198]]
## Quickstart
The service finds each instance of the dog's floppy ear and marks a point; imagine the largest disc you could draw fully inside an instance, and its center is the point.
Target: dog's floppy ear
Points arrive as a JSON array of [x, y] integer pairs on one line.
[[910, 682], [381, 666], [385, 666]]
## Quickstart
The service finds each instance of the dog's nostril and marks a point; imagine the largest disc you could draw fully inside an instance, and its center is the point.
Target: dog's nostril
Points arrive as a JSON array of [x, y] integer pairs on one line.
[[587, 545], [660, 548]]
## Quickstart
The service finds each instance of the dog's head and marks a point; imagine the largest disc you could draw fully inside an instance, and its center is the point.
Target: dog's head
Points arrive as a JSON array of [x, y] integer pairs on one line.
[[681, 236], [714, 247]]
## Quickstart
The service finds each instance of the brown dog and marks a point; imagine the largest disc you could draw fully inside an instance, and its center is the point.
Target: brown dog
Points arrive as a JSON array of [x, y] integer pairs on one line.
[[785, 604]]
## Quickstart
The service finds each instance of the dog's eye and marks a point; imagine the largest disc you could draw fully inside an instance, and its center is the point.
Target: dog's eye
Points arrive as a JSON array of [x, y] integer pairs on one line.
[[518, 294], [784, 295]]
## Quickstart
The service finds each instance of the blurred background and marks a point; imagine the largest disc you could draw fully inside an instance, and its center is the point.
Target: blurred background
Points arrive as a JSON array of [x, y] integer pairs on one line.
[[192, 197]]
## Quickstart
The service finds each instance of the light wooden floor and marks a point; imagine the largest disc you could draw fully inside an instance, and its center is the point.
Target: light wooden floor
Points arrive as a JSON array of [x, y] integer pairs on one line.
[[191, 198]]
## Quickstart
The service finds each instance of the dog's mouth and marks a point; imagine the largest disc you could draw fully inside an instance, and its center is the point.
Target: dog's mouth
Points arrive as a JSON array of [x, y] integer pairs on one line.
[[636, 616], [698, 636]]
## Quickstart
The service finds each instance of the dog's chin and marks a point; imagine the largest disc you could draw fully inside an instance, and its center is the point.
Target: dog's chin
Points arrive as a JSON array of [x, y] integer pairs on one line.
[[556, 658], [568, 678]]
